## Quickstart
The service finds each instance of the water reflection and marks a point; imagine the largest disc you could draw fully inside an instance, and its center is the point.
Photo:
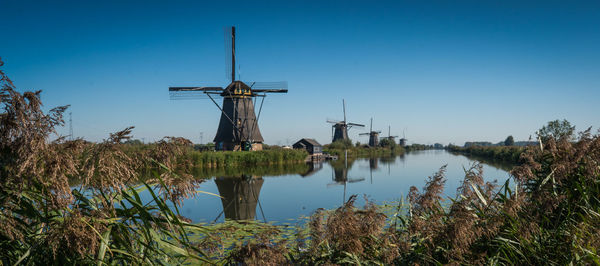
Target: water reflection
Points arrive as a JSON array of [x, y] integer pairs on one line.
[[239, 196], [313, 167], [339, 175], [291, 191]]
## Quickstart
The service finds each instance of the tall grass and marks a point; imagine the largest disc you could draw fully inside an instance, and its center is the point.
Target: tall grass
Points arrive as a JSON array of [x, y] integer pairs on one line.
[[45, 222]]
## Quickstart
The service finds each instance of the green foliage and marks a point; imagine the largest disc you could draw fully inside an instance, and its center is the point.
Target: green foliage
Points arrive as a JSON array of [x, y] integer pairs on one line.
[[386, 142], [509, 154], [418, 147], [510, 141], [340, 144], [243, 159], [557, 130]]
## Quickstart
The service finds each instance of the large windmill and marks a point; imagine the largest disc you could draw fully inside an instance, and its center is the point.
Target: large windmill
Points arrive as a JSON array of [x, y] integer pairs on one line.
[[238, 127], [339, 129], [373, 135]]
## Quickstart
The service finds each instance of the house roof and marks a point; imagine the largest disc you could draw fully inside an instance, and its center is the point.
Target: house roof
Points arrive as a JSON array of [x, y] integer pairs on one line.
[[309, 141]]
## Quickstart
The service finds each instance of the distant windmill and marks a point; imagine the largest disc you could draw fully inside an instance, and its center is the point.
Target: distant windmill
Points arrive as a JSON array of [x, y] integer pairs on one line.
[[339, 129], [389, 136], [403, 139], [373, 135], [238, 127]]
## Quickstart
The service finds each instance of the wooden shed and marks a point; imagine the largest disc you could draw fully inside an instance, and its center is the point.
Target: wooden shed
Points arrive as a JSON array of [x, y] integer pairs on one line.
[[310, 145]]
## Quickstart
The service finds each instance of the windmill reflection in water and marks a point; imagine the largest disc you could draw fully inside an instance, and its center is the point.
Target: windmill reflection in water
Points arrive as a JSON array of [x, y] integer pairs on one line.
[[240, 197], [339, 175]]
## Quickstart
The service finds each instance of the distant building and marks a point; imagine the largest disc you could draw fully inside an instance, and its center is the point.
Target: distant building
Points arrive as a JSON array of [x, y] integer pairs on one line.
[[310, 145], [402, 142]]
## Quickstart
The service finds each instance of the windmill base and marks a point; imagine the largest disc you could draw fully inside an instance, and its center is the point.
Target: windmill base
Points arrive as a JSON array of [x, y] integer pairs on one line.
[[230, 146]]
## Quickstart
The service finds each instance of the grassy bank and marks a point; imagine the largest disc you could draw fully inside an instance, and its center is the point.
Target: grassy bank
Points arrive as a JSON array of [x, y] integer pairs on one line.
[[510, 154], [341, 147], [214, 159]]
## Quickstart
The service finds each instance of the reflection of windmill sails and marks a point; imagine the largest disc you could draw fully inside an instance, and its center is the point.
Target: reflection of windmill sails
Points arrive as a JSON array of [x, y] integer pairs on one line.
[[239, 196]]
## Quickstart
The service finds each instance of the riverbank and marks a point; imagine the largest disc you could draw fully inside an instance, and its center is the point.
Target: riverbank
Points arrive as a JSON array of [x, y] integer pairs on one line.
[[365, 152], [217, 159], [509, 154]]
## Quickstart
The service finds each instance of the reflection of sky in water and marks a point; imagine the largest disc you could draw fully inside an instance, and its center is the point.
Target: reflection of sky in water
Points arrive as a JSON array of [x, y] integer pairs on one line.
[[290, 196]]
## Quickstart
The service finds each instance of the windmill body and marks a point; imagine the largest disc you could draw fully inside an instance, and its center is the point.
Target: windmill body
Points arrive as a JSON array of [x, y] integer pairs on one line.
[[339, 129], [238, 127], [239, 107], [340, 132], [373, 136], [389, 136]]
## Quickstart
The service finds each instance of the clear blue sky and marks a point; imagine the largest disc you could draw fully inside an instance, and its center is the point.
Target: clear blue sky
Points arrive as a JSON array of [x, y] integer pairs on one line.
[[447, 71]]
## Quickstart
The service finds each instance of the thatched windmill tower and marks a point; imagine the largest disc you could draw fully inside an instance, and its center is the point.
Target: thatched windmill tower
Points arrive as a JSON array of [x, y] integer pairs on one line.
[[373, 135], [238, 127], [339, 129]]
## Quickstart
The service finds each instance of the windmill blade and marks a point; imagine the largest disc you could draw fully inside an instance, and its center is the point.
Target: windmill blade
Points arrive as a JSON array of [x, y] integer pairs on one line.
[[333, 121], [191, 93], [356, 125], [364, 134], [333, 184], [229, 49], [344, 104], [355, 180], [271, 91], [378, 131], [195, 89], [274, 85]]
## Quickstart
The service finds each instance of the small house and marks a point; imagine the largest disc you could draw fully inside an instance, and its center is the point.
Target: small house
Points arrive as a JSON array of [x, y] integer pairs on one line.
[[310, 145]]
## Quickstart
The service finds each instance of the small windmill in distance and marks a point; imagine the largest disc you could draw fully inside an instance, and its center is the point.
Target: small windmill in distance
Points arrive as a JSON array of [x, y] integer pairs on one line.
[[389, 136], [373, 135], [339, 129], [403, 139]]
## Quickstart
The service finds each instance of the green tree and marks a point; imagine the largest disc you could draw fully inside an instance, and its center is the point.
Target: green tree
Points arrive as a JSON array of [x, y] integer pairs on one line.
[[557, 130], [386, 142], [341, 144], [510, 141]]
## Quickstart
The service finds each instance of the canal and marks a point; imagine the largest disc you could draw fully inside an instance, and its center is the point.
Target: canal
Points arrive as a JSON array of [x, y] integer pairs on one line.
[[282, 198]]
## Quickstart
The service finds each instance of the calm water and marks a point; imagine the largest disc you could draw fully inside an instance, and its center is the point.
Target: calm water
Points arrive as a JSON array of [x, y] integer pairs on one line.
[[279, 198]]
